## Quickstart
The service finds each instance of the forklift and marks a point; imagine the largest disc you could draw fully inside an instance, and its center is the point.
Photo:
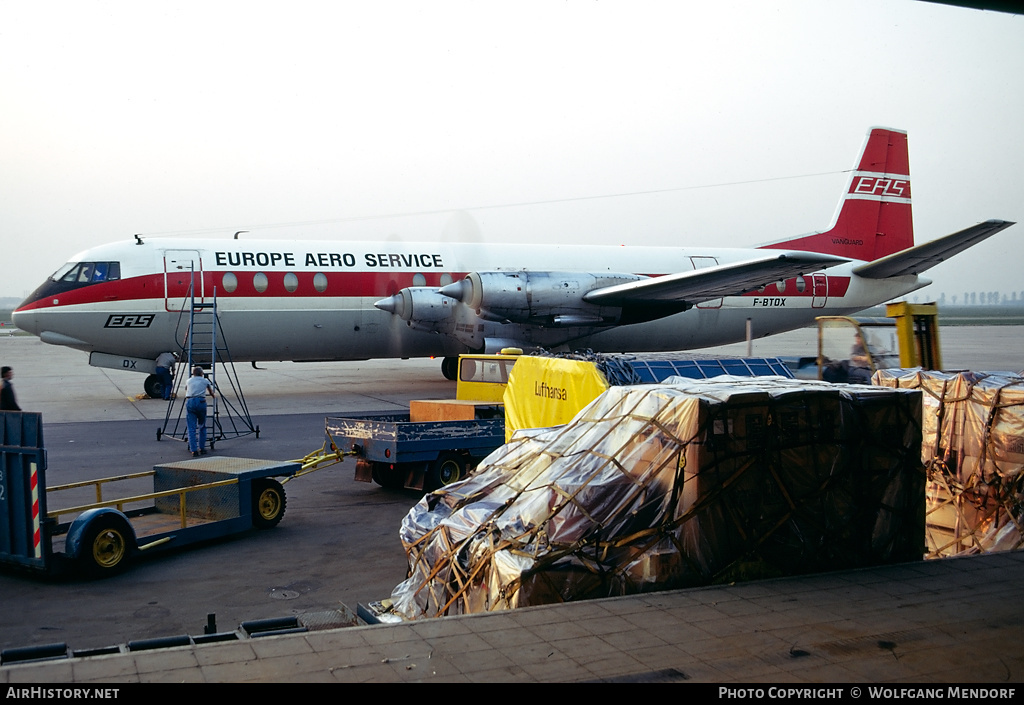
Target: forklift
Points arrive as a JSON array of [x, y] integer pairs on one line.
[[850, 349]]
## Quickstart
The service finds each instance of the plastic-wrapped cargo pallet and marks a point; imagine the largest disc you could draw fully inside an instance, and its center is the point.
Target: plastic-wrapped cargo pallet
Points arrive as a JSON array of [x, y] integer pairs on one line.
[[660, 486], [973, 450], [549, 390]]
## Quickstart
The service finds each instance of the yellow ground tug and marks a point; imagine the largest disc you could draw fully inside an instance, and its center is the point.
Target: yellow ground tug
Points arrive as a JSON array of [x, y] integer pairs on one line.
[[853, 349]]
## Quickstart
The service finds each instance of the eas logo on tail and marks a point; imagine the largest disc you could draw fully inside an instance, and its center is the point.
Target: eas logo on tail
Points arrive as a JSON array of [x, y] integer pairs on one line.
[[880, 186]]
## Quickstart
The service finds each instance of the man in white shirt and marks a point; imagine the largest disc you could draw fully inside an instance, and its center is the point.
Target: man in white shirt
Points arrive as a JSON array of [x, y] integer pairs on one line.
[[196, 390]]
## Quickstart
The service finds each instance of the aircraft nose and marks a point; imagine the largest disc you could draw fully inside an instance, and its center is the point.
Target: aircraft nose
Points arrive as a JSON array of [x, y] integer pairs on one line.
[[25, 320]]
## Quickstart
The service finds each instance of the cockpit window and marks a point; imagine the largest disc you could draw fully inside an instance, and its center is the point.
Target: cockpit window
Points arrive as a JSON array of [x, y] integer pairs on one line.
[[59, 274], [85, 272], [88, 272]]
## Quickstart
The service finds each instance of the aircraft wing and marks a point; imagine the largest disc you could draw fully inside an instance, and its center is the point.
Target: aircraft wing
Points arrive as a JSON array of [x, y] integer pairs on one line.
[[715, 282], [919, 258]]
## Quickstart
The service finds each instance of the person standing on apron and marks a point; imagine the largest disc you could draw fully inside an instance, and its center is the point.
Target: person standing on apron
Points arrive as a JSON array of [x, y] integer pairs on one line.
[[196, 390], [7, 400]]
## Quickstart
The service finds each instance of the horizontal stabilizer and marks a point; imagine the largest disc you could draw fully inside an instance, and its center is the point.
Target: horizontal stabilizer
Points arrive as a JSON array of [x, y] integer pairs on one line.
[[920, 258], [713, 282]]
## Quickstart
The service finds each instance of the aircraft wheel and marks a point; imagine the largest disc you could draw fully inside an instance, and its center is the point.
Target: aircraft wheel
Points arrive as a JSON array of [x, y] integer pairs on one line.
[[268, 503], [448, 468], [106, 545], [450, 368], [154, 387]]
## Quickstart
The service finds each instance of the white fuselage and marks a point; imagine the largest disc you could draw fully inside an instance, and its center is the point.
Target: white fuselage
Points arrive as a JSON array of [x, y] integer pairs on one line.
[[312, 300]]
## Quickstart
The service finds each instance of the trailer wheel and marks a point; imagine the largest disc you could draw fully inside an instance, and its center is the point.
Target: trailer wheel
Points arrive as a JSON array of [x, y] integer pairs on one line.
[[450, 368], [106, 544], [268, 503], [448, 468], [389, 477]]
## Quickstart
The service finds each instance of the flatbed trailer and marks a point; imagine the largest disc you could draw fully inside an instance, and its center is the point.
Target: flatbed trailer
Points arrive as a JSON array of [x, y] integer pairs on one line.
[[439, 441], [396, 450], [183, 503]]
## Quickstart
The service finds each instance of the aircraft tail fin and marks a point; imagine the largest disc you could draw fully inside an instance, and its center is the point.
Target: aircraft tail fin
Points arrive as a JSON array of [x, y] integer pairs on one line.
[[874, 217]]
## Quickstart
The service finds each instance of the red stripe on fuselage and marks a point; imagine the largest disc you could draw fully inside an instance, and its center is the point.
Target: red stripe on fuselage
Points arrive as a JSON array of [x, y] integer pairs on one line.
[[150, 286], [339, 284], [154, 286]]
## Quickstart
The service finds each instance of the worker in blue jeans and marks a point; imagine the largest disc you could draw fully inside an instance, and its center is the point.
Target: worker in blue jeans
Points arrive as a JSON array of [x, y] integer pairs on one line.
[[196, 390], [165, 362]]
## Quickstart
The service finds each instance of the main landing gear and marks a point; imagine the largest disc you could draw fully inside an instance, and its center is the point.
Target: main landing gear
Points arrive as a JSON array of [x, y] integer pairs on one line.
[[154, 387]]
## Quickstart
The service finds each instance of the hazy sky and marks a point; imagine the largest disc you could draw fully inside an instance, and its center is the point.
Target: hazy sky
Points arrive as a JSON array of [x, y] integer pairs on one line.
[[607, 121]]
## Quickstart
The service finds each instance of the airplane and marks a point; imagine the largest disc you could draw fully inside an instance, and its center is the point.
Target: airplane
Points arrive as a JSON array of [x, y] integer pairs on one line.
[[125, 303]]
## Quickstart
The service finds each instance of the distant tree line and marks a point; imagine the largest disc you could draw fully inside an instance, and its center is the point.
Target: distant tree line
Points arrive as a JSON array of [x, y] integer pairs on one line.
[[976, 298]]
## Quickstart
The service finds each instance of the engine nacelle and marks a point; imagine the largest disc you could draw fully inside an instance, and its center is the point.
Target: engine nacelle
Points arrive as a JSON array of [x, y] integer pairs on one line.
[[423, 307], [538, 298]]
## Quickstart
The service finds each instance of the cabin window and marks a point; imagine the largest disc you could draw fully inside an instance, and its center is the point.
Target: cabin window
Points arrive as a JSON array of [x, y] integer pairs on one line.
[[229, 281], [260, 282], [320, 282], [291, 282], [488, 371], [781, 286], [446, 279], [419, 279], [801, 284]]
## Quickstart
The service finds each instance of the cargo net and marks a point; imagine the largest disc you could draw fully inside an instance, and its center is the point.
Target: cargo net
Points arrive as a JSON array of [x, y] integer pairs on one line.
[[663, 486], [615, 368], [973, 449]]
